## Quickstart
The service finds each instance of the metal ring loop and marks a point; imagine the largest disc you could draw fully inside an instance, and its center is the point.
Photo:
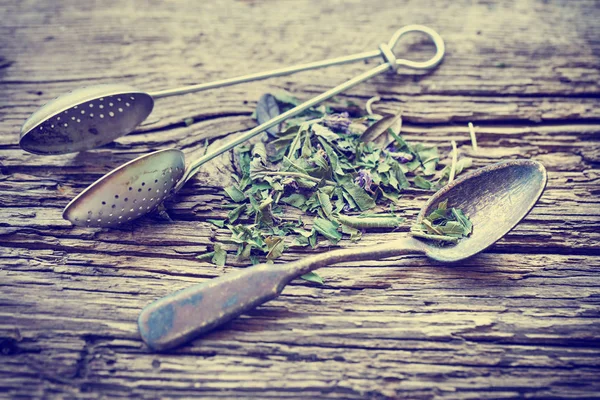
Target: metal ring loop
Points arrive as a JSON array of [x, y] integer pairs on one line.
[[389, 56], [440, 47]]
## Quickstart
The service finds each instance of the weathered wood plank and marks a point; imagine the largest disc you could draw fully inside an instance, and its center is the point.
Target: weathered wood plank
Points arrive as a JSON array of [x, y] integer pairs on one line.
[[405, 310], [521, 320]]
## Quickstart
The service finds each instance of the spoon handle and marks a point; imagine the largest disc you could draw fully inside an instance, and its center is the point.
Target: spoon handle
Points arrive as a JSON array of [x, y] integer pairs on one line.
[[188, 313]]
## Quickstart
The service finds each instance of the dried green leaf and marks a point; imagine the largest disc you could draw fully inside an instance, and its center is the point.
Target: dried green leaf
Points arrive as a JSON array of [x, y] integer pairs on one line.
[[205, 256], [422, 183], [312, 240], [220, 255], [324, 132], [283, 96], [295, 199], [371, 222], [312, 277], [235, 194], [354, 233], [333, 157], [267, 109], [325, 202], [218, 222], [234, 214], [275, 246], [259, 150], [460, 216], [359, 195], [328, 229], [452, 228], [443, 225]]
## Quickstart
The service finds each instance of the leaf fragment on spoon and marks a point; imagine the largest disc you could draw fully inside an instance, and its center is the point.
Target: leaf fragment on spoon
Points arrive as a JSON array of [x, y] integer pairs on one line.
[[444, 225]]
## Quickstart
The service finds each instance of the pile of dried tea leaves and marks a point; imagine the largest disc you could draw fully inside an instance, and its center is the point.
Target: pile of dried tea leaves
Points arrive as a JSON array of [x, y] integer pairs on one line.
[[334, 164]]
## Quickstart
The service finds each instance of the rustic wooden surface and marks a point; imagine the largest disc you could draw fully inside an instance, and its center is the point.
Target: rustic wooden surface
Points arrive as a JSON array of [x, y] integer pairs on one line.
[[520, 320]]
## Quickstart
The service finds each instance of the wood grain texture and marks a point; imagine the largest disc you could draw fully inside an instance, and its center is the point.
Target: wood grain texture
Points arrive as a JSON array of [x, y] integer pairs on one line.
[[521, 320]]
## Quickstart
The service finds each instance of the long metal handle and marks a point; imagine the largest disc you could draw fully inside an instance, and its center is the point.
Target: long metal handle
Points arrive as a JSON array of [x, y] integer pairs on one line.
[[188, 313], [267, 74], [392, 64], [381, 52]]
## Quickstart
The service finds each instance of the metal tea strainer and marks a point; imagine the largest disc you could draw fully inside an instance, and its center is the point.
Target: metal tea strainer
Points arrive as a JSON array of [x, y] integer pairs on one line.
[[135, 188], [92, 116]]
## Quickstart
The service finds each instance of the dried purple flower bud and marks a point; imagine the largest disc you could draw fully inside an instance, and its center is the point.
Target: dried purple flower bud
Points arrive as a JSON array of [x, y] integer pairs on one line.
[[294, 185], [364, 180]]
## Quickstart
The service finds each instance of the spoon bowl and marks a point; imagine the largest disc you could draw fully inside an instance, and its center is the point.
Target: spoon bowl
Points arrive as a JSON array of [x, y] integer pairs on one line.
[[128, 192], [495, 198], [84, 119]]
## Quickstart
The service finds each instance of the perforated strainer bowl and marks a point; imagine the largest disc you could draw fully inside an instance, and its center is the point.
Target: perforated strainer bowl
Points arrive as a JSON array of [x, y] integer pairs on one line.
[[84, 119], [128, 192]]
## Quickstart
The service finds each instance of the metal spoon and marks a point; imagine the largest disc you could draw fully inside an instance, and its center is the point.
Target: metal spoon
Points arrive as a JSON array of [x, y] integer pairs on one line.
[[135, 188], [495, 198], [89, 117]]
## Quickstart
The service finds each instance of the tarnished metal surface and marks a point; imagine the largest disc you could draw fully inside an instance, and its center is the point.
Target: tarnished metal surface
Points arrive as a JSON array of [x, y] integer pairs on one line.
[[495, 198], [185, 314]]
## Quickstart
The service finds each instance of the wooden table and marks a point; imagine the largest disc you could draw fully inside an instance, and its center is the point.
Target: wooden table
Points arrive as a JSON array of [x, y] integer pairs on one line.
[[520, 320]]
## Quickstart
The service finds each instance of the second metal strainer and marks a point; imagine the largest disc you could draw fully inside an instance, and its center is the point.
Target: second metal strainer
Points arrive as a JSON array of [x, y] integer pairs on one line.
[[90, 117], [135, 188]]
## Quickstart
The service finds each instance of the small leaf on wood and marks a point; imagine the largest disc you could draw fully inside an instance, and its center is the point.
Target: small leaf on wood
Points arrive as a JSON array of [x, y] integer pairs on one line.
[[218, 222], [220, 256], [236, 194], [312, 277], [328, 229]]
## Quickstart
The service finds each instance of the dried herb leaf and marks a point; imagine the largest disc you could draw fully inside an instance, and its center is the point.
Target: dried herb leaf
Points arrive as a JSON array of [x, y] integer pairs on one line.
[[312, 277], [324, 132], [422, 183], [444, 225], [235, 194], [328, 229], [325, 202], [360, 197], [295, 199], [275, 246], [285, 97], [218, 222], [266, 109], [220, 256], [371, 222]]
